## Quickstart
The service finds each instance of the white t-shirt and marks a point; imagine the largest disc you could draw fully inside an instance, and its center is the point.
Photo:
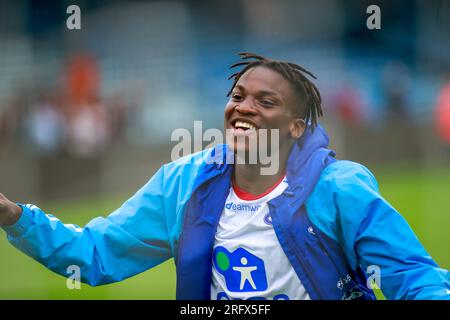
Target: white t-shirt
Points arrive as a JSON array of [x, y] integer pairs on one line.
[[248, 261]]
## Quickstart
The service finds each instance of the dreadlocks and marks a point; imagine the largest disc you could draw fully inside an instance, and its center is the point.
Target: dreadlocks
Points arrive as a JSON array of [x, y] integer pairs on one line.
[[311, 108]]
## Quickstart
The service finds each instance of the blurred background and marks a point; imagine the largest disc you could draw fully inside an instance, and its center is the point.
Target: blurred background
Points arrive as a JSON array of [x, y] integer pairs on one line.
[[86, 115]]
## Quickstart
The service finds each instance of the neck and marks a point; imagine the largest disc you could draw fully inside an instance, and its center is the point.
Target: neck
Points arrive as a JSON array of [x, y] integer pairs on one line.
[[248, 176]]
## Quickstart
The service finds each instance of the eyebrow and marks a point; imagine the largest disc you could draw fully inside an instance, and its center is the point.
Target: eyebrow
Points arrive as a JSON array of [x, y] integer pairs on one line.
[[262, 92]]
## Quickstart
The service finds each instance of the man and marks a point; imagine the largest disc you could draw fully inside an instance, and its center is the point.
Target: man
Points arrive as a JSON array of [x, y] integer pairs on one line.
[[316, 229]]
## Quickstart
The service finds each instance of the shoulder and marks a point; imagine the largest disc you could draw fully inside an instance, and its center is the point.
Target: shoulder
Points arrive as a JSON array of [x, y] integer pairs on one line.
[[343, 174], [188, 166], [344, 187], [175, 179]]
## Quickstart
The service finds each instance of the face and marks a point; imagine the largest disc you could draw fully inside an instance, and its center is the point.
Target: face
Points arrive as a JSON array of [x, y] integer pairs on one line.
[[262, 99]]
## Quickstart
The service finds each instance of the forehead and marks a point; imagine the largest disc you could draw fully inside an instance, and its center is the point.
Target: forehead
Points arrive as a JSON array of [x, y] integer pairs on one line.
[[262, 78]]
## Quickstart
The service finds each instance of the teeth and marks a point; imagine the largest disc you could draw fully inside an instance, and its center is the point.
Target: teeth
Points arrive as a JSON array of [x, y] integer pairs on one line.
[[240, 124]]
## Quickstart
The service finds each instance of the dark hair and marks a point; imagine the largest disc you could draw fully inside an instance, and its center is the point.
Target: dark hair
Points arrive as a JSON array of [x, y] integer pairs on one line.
[[311, 108]]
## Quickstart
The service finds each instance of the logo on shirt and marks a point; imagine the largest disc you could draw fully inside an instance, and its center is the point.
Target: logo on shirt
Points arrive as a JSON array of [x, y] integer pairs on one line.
[[268, 219], [243, 271], [242, 207]]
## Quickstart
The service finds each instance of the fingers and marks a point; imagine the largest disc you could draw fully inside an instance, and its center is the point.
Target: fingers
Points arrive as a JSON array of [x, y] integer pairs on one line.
[[3, 198]]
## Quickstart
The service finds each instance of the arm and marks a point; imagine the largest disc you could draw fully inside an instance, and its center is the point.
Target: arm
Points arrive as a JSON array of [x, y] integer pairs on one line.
[[374, 233], [132, 239]]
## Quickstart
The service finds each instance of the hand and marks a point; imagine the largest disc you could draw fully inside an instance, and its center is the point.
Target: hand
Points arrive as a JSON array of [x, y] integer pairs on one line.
[[9, 212]]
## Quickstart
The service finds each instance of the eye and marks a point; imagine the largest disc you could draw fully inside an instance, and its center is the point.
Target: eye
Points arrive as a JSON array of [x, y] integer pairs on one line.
[[267, 103], [236, 97]]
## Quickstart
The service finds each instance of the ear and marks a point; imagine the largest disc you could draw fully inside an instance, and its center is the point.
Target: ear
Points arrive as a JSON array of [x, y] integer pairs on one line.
[[297, 127]]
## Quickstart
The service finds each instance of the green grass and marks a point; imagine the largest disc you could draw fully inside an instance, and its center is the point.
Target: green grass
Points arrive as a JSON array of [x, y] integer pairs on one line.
[[422, 196], [23, 278]]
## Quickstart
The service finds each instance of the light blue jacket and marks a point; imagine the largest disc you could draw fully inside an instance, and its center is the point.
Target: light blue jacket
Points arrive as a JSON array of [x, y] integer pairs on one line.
[[332, 223]]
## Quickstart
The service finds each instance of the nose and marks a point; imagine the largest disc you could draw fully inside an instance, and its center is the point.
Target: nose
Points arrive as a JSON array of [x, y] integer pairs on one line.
[[245, 107]]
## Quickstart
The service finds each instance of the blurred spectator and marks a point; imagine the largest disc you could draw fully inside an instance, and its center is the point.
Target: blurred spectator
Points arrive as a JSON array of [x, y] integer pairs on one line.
[[12, 116], [45, 125], [348, 105], [442, 113], [88, 130], [88, 123], [118, 111], [83, 79], [396, 82]]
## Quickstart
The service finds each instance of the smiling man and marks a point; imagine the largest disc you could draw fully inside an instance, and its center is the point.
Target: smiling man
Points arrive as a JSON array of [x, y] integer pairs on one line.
[[317, 228]]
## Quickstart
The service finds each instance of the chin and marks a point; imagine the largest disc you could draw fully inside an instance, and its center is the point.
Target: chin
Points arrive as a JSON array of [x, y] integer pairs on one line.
[[244, 154]]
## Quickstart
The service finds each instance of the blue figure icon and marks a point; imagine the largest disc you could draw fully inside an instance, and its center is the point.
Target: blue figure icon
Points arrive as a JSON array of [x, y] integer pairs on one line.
[[243, 271]]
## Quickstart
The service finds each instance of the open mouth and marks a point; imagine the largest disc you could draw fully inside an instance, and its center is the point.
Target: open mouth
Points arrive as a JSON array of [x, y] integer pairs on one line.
[[243, 126]]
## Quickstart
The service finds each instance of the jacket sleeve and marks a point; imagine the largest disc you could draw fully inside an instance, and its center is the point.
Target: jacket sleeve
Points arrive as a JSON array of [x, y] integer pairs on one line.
[[132, 239], [376, 237]]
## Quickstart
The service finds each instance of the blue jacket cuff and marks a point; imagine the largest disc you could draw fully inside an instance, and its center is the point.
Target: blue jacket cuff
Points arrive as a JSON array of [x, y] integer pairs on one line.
[[22, 225]]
